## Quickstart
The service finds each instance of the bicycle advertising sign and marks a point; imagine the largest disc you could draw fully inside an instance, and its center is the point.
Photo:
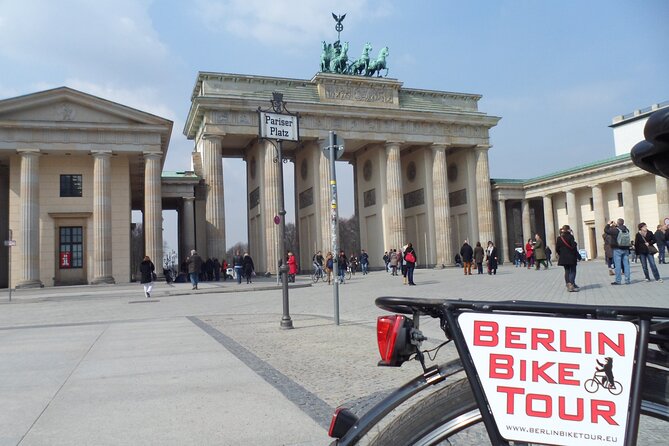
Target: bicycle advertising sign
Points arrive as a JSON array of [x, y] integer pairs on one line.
[[559, 381]]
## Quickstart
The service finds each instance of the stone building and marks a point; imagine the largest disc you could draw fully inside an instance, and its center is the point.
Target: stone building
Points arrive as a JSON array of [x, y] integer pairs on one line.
[[72, 168], [420, 162], [585, 197]]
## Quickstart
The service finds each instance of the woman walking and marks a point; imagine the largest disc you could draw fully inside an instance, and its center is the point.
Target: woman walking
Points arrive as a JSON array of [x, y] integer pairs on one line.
[[491, 258], [529, 253], [539, 252], [410, 262], [479, 255], [292, 267], [567, 250], [147, 268], [247, 266], [644, 245]]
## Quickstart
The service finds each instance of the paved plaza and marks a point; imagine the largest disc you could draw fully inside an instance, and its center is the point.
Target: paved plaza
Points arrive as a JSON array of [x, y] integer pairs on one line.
[[102, 365]]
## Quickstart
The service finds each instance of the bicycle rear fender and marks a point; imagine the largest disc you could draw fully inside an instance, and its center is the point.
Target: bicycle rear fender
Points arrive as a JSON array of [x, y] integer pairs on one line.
[[372, 417]]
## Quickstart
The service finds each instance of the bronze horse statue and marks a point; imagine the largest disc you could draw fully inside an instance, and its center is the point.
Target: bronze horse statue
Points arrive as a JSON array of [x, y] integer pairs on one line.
[[339, 60], [378, 64], [360, 65]]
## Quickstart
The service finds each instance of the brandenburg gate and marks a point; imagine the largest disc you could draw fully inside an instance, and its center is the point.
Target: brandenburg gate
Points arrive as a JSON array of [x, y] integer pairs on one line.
[[420, 161]]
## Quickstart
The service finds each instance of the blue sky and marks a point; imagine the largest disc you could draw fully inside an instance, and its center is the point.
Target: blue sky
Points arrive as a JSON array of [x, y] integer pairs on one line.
[[556, 72]]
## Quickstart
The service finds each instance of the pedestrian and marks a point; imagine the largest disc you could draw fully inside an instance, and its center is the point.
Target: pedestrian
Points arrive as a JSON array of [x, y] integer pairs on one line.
[[329, 266], [194, 268], [410, 259], [394, 261], [621, 241], [238, 265], [217, 269], [147, 270], [608, 253], [342, 264], [644, 245], [549, 254], [364, 262], [529, 253], [386, 260], [353, 263], [292, 266], [224, 270], [492, 258], [661, 241], [479, 255], [539, 252], [517, 257], [568, 257], [249, 269], [209, 269], [467, 255]]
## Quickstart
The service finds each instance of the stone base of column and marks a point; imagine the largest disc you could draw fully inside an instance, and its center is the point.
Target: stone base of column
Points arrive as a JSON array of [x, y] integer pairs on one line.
[[103, 280], [439, 267], [30, 284]]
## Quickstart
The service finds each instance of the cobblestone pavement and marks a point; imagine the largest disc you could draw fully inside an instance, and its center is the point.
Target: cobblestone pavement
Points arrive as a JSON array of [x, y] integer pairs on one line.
[[317, 365]]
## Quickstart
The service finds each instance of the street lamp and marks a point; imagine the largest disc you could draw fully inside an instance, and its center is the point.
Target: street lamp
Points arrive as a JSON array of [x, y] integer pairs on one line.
[[276, 126]]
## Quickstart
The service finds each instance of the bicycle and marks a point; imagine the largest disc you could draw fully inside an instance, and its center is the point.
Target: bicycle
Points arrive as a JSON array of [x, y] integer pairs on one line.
[[349, 273], [318, 274], [523, 368], [592, 385]]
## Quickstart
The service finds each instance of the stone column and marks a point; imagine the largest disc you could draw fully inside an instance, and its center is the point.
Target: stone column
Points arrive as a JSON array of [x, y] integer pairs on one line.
[[549, 223], [442, 210], [188, 220], [102, 224], [572, 215], [29, 221], [629, 208], [153, 210], [600, 218], [394, 213], [662, 192], [504, 245], [484, 200], [472, 202], [212, 166], [526, 222]]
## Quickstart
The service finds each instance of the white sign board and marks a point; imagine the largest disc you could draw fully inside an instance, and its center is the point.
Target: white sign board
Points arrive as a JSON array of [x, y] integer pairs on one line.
[[547, 379], [278, 126]]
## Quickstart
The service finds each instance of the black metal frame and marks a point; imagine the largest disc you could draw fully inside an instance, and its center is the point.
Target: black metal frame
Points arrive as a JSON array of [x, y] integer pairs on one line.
[[449, 310]]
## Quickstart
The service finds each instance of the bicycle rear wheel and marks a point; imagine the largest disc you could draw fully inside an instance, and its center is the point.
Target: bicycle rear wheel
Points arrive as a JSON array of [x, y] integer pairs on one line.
[[315, 276], [450, 416], [348, 274]]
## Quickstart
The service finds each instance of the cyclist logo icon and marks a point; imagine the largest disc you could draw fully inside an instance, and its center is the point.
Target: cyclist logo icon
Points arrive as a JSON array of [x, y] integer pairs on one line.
[[603, 377]]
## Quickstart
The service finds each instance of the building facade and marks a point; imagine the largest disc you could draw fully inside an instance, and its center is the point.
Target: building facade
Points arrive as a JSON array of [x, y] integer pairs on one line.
[[420, 161], [585, 197]]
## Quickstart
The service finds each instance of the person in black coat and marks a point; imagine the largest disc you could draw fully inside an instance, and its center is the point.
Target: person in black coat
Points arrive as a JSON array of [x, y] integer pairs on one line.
[[644, 245], [492, 258], [247, 267], [410, 266], [467, 254], [568, 256], [147, 268]]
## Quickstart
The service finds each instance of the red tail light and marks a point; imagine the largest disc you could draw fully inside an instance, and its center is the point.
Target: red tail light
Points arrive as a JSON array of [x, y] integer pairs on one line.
[[342, 420], [394, 339]]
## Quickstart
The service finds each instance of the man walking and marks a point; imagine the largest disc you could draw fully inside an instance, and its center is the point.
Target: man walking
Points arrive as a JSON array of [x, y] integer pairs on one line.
[[364, 262], [467, 254], [194, 268], [621, 240], [237, 264], [661, 242]]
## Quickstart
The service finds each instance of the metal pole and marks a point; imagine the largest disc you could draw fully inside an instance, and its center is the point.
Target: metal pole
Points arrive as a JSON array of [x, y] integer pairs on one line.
[[9, 272], [286, 321], [334, 225]]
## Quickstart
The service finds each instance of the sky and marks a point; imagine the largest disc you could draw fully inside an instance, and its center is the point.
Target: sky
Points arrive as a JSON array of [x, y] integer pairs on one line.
[[556, 72]]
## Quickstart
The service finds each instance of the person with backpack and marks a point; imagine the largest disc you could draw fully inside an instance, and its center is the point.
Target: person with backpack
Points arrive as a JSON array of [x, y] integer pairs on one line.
[[410, 261], [621, 240]]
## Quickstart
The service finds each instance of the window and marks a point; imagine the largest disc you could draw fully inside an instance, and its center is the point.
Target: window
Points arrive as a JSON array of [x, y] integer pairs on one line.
[[70, 185], [71, 247], [620, 199], [592, 204]]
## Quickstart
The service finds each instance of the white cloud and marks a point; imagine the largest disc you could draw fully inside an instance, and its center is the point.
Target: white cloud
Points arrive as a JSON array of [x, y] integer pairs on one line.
[[282, 23], [78, 36]]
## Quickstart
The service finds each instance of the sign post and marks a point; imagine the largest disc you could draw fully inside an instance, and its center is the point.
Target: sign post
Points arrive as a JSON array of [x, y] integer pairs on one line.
[[277, 126], [334, 151], [9, 243]]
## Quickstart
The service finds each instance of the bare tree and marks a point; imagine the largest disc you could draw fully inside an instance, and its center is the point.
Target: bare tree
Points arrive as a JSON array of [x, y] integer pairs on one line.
[[349, 235]]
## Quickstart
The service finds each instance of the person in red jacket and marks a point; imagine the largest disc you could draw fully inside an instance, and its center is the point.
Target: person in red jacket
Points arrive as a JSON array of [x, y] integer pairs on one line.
[[292, 267], [529, 253]]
